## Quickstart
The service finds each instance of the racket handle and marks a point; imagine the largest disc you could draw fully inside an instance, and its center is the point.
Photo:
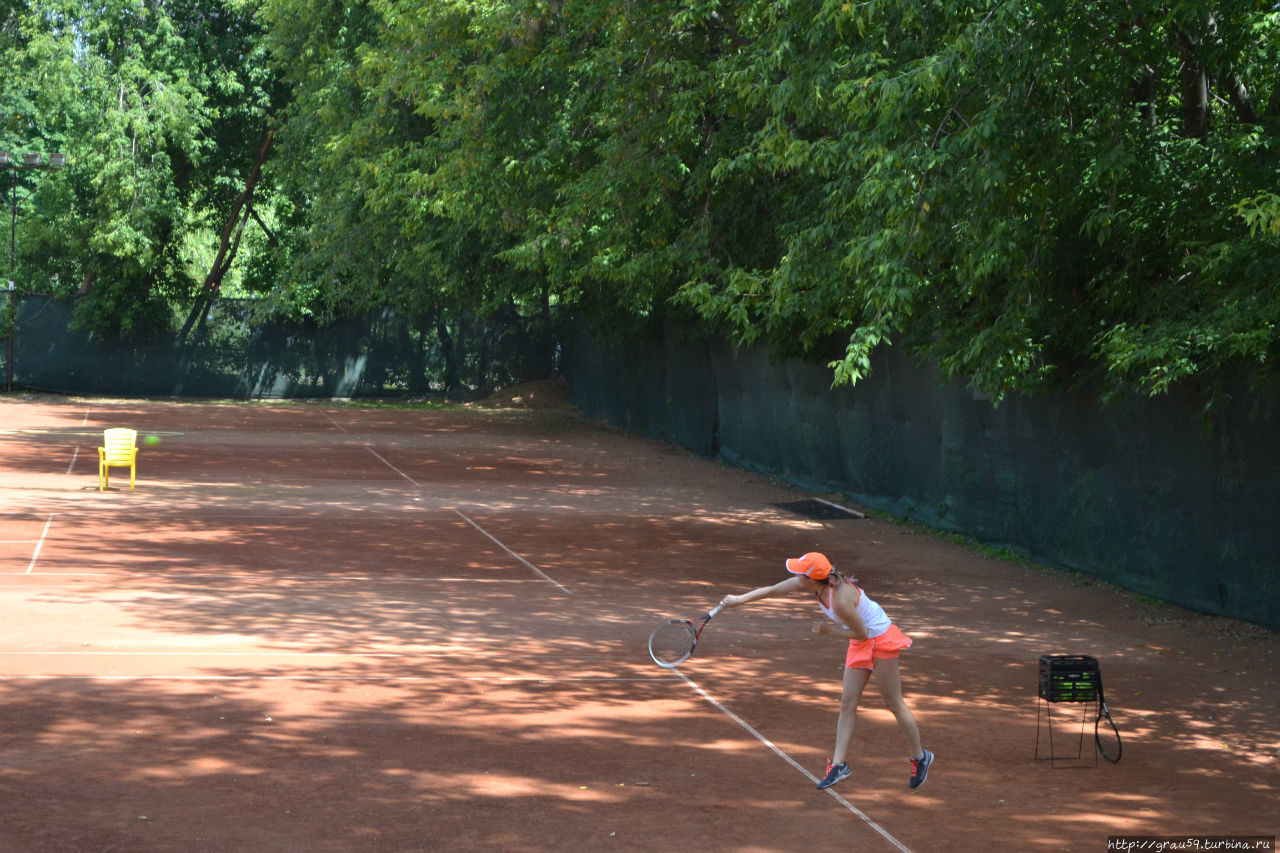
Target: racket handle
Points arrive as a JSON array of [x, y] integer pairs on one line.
[[715, 611]]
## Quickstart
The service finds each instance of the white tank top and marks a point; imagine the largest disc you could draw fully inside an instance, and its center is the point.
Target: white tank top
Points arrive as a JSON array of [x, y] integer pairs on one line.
[[873, 615]]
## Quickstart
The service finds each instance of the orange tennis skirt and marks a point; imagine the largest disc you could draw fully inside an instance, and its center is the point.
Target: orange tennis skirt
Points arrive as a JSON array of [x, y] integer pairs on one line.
[[863, 654]]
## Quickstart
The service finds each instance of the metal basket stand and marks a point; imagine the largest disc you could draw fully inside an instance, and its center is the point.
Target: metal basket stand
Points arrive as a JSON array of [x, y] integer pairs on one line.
[[1072, 679]]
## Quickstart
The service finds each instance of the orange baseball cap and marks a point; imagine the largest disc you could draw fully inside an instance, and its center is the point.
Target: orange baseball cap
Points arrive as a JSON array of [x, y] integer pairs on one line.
[[813, 565]]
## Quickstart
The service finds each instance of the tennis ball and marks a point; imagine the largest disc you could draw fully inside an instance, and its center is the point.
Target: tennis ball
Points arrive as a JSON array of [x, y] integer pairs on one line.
[[152, 440]]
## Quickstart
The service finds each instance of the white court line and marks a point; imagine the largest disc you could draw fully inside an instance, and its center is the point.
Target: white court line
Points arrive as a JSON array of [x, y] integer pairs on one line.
[[198, 678], [116, 653], [408, 679], [188, 577], [393, 468], [352, 518], [537, 571], [39, 545], [787, 758], [340, 426], [76, 453]]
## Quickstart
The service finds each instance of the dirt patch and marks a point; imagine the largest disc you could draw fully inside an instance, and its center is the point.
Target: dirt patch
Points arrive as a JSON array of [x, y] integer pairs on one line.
[[353, 628], [544, 394]]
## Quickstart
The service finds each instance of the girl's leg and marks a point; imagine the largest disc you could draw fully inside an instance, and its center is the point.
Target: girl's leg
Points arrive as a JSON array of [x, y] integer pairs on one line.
[[854, 681], [889, 678]]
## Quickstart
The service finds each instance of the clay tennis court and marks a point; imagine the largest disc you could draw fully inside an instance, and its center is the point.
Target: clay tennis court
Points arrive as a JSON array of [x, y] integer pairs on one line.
[[327, 627]]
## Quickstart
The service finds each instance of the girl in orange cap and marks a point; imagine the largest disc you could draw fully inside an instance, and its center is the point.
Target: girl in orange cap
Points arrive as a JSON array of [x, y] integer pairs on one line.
[[874, 643]]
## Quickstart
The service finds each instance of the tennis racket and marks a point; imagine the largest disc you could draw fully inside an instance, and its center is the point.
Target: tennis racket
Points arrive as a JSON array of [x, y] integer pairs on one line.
[[672, 643], [1105, 733]]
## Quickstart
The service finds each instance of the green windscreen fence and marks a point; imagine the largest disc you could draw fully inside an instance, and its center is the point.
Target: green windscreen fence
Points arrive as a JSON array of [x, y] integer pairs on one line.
[[235, 354], [1146, 493]]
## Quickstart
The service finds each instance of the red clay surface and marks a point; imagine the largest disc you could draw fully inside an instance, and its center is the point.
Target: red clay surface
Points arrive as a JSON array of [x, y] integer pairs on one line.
[[317, 627]]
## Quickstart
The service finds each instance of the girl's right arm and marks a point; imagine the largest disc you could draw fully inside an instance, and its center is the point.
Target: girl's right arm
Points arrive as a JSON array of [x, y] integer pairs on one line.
[[789, 585]]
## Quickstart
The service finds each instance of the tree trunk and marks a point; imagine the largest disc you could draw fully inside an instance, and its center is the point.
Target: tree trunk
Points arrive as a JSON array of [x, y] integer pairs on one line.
[[1195, 89], [1145, 92], [228, 245], [452, 371], [1240, 99]]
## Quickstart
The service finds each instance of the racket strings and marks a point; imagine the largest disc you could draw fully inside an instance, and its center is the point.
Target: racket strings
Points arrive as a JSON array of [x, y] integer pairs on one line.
[[672, 642]]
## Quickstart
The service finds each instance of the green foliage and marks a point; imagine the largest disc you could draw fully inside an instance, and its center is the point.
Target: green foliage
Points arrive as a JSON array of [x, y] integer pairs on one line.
[[150, 102], [1028, 193], [988, 190]]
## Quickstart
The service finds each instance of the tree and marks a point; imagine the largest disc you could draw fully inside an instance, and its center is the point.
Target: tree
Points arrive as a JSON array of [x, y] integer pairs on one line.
[[150, 101], [1017, 190], [1028, 192]]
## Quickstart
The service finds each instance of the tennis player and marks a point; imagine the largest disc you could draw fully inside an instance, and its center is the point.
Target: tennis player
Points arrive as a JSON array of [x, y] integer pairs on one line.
[[874, 643]]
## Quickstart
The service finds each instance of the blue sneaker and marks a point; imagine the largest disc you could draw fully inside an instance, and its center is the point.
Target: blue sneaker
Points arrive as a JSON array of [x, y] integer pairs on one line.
[[920, 769], [835, 772]]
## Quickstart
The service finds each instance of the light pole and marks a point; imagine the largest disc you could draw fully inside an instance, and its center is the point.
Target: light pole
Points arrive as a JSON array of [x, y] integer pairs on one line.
[[29, 161]]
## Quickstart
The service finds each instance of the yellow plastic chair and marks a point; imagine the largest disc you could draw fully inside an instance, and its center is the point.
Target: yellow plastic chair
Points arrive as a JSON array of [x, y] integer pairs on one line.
[[119, 449]]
